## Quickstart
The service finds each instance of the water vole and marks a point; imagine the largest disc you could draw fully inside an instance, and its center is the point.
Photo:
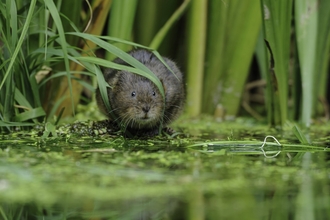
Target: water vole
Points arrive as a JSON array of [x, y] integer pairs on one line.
[[136, 102]]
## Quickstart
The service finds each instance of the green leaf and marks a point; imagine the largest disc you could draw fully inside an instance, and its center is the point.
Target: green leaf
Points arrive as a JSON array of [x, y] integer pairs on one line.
[[21, 100], [113, 65], [102, 86], [31, 114], [306, 14], [195, 55], [121, 22], [62, 40], [233, 27], [20, 41], [277, 32], [15, 124], [158, 39], [298, 133]]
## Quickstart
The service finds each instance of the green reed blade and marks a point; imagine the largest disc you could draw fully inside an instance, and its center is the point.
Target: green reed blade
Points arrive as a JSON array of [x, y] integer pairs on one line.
[[71, 19], [63, 73], [261, 55], [232, 33], [146, 17], [62, 40], [102, 86], [20, 40], [306, 13], [34, 90], [156, 53], [323, 45], [322, 56], [21, 99], [12, 10], [109, 64], [59, 116], [215, 53], [241, 36], [118, 40], [121, 21], [122, 55], [195, 55], [55, 107], [8, 99], [158, 39], [31, 114], [277, 29], [299, 134], [15, 124]]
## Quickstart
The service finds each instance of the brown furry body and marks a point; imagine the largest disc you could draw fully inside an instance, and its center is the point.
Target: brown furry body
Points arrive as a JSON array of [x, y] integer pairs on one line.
[[136, 102]]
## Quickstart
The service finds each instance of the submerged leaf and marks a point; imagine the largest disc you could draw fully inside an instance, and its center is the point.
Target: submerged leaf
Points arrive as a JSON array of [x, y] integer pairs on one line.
[[301, 137]]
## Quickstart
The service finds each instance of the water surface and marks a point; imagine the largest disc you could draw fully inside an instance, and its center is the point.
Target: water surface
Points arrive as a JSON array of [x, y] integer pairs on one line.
[[213, 171]]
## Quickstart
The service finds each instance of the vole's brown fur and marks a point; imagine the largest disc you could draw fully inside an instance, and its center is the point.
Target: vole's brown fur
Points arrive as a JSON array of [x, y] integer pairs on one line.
[[136, 102]]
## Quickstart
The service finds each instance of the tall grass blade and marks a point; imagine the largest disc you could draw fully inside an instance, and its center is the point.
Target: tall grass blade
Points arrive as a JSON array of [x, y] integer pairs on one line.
[[62, 40], [12, 10], [277, 30], [195, 58], [302, 139], [158, 39], [146, 73], [7, 99], [261, 55], [20, 41], [146, 21], [321, 58], [215, 49], [299, 134], [21, 99], [306, 14], [102, 86], [59, 116], [121, 22], [31, 114], [232, 34], [15, 124], [71, 19], [100, 11]]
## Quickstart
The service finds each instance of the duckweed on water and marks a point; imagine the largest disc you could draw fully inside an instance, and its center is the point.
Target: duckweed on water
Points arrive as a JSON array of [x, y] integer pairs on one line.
[[220, 172]]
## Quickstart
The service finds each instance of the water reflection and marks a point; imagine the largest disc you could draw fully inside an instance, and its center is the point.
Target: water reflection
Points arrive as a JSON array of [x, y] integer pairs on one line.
[[114, 178]]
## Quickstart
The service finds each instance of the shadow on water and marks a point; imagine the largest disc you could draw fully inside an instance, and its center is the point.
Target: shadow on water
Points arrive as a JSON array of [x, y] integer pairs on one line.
[[219, 171]]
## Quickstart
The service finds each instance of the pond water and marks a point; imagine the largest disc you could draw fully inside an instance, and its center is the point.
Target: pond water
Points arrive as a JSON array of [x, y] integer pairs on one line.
[[213, 171]]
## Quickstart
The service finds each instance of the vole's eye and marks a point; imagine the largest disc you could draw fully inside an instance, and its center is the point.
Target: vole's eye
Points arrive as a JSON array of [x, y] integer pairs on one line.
[[133, 94], [153, 93]]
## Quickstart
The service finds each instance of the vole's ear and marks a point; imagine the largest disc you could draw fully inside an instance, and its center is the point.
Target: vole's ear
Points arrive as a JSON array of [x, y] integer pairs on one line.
[[163, 84], [108, 73], [110, 76]]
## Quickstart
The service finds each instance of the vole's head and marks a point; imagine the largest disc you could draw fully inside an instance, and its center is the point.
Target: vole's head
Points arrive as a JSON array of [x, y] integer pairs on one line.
[[136, 101]]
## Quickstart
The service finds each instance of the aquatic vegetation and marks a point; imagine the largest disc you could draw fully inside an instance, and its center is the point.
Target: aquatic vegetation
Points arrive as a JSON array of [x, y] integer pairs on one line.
[[214, 174]]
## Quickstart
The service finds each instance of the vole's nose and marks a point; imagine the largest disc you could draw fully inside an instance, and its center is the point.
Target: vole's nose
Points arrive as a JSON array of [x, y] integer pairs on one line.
[[146, 108]]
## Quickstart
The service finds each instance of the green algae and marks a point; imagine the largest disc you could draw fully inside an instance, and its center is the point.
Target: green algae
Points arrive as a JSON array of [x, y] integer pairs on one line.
[[220, 172]]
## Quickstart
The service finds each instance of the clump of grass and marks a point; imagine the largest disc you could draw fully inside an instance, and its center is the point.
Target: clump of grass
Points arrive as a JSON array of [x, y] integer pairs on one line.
[[299, 54], [19, 96], [22, 103]]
